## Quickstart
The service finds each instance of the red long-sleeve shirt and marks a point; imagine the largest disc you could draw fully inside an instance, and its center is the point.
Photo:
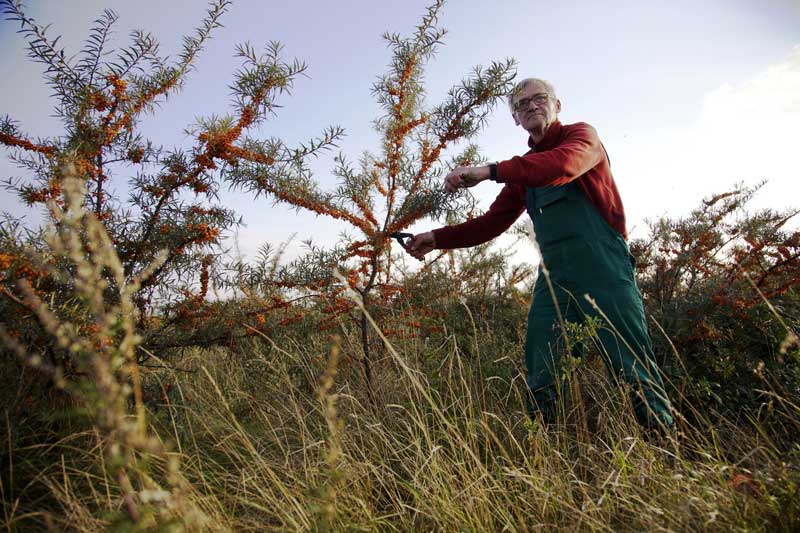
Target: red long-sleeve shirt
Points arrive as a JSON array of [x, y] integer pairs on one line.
[[570, 152]]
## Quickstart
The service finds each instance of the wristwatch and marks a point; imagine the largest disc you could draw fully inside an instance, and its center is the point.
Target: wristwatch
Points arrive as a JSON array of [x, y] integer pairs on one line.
[[493, 171]]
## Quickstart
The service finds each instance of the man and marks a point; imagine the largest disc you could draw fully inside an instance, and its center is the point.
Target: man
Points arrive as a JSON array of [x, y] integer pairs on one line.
[[565, 183]]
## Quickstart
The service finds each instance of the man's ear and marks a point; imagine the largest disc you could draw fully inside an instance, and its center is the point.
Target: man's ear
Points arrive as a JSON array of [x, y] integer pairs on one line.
[[558, 106], [516, 120]]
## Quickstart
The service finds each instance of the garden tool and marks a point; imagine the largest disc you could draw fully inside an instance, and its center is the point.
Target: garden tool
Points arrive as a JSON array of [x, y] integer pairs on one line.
[[400, 236]]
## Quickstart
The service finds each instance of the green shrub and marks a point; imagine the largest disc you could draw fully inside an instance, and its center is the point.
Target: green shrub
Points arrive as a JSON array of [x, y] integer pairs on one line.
[[723, 284]]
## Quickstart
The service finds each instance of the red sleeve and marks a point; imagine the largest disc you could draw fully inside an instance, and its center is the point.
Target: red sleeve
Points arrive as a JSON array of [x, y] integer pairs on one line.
[[577, 153], [505, 209]]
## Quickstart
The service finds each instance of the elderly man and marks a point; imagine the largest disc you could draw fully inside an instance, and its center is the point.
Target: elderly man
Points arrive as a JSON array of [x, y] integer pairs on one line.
[[565, 183]]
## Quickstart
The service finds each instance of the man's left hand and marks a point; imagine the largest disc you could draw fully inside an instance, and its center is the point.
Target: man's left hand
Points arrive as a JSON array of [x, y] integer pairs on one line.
[[463, 177]]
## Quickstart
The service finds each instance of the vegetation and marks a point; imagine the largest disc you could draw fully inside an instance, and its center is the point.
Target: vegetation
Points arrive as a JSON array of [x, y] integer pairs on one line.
[[386, 194], [722, 284], [137, 402], [101, 97]]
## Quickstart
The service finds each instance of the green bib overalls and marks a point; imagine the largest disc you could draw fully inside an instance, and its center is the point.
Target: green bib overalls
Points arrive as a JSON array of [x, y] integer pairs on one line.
[[584, 255]]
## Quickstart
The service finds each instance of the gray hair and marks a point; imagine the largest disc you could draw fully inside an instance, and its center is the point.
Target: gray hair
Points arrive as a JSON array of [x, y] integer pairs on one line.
[[524, 83]]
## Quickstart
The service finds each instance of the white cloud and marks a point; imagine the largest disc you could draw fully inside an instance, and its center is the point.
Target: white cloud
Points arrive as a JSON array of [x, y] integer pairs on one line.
[[745, 131]]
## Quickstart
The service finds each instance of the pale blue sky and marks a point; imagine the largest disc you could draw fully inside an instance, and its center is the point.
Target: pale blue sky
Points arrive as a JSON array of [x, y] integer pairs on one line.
[[687, 96]]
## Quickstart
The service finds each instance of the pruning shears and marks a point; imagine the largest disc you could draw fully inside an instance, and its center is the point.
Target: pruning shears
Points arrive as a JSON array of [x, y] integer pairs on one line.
[[400, 236]]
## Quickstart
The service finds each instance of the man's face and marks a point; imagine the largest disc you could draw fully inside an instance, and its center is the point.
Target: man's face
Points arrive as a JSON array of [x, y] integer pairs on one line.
[[535, 109]]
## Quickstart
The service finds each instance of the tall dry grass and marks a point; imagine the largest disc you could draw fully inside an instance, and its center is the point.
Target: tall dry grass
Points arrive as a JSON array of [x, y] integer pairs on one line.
[[285, 442], [98, 340]]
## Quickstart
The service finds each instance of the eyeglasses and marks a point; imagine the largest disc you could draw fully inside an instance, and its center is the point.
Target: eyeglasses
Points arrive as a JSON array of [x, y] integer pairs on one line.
[[524, 103]]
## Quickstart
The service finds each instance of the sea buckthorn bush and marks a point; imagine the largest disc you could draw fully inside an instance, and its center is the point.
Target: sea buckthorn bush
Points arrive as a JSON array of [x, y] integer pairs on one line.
[[723, 285], [102, 95]]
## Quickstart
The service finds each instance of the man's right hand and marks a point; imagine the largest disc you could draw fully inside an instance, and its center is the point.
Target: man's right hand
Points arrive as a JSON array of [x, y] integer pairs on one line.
[[421, 244]]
